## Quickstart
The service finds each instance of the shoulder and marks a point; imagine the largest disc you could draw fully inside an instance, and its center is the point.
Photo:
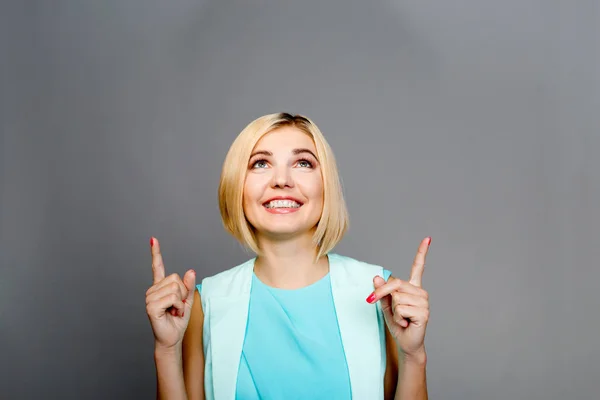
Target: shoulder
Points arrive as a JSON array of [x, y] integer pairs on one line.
[[222, 281], [350, 261], [353, 266]]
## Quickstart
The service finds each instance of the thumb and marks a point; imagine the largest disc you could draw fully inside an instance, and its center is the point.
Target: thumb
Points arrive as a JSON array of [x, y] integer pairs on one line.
[[385, 301], [378, 282], [189, 280]]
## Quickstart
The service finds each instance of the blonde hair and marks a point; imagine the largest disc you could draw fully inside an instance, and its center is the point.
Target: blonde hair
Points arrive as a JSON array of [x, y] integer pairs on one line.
[[333, 223]]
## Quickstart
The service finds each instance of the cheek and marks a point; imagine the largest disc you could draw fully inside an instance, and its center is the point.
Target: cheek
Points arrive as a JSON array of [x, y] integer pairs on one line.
[[253, 189], [312, 186]]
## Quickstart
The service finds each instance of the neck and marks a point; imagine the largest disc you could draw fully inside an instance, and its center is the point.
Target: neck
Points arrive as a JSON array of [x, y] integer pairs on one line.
[[290, 263]]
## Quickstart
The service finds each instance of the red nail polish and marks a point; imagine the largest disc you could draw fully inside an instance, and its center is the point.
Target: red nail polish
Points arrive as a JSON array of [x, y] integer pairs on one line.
[[182, 313], [429, 241], [151, 242], [183, 301], [371, 298]]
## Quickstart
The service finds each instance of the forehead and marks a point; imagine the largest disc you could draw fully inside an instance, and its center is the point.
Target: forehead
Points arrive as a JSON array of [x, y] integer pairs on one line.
[[285, 138]]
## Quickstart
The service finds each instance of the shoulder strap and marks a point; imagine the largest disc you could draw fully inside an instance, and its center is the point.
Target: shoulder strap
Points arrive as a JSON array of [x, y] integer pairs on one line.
[[225, 300], [360, 324]]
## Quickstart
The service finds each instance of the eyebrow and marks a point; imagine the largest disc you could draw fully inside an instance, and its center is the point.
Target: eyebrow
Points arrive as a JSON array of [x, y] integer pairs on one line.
[[294, 152]]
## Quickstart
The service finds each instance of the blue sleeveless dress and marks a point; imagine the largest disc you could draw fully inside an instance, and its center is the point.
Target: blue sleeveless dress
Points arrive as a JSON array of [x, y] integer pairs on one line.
[[292, 347]]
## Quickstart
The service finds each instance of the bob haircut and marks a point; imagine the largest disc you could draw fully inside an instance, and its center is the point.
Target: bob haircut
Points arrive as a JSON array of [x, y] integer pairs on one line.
[[333, 222]]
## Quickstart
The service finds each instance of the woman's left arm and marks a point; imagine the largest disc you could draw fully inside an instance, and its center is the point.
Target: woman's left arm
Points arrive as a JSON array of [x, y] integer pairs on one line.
[[405, 306], [405, 378], [412, 382]]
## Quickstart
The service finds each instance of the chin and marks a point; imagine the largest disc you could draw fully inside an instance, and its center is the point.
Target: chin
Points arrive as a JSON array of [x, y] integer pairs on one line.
[[282, 231]]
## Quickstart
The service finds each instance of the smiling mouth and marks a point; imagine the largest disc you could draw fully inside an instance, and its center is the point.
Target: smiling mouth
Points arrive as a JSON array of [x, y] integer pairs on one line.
[[282, 204]]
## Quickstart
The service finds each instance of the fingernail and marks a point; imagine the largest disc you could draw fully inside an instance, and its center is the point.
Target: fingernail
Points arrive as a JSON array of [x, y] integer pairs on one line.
[[182, 313], [371, 298], [183, 300], [429, 241], [151, 242], [193, 272]]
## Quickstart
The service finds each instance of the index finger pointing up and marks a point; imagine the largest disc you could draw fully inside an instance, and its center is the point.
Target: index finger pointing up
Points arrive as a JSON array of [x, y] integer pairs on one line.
[[158, 268], [416, 273]]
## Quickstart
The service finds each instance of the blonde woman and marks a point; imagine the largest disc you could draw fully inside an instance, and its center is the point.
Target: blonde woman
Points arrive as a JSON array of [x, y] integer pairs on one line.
[[296, 321]]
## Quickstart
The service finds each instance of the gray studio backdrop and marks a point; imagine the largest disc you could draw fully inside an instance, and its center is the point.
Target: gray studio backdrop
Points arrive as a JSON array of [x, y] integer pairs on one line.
[[475, 122]]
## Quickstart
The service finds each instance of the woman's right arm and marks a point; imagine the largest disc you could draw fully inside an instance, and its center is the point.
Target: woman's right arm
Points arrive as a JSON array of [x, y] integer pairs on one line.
[[177, 328], [169, 375], [180, 372]]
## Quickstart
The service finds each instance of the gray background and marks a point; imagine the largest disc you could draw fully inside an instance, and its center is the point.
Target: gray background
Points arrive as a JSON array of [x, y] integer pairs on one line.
[[475, 122]]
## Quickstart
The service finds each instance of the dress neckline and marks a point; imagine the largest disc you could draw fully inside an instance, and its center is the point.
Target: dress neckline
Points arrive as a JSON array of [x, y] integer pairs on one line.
[[257, 280], [326, 277]]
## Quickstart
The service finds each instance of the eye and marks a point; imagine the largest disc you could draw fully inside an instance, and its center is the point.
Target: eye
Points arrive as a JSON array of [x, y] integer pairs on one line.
[[259, 164], [304, 163]]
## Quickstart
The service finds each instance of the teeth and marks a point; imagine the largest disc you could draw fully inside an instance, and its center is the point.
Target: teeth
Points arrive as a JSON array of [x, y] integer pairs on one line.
[[282, 204]]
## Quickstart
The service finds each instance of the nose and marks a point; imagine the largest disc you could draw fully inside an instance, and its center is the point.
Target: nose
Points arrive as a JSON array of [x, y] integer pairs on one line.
[[282, 178]]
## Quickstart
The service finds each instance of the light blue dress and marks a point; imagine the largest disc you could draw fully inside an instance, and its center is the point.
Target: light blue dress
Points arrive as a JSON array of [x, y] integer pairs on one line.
[[292, 347]]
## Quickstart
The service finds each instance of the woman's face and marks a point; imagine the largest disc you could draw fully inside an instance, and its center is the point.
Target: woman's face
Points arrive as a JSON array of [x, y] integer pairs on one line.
[[283, 190]]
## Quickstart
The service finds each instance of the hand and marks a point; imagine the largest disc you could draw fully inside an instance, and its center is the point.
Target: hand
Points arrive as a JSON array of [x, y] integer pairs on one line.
[[168, 302], [405, 305]]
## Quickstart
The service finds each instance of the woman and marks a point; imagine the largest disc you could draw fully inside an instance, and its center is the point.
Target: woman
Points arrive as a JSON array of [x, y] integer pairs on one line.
[[291, 322]]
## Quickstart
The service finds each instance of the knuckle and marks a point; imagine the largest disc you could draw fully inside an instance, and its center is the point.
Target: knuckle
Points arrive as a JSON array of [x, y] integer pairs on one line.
[[398, 284], [174, 286], [173, 297]]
